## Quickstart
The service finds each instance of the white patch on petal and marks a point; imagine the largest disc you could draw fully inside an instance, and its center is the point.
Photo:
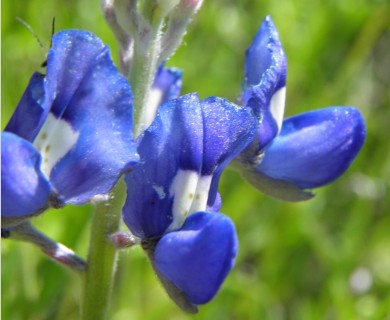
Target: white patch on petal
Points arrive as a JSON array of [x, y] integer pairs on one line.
[[190, 192], [277, 106], [54, 141], [201, 194], [183, 189]]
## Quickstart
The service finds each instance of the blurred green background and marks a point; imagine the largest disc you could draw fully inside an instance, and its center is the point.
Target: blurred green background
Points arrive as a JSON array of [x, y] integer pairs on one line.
[[328, 258]]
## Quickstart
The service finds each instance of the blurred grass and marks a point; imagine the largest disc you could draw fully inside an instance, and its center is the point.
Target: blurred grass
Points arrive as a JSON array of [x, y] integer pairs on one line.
[[296, 261]]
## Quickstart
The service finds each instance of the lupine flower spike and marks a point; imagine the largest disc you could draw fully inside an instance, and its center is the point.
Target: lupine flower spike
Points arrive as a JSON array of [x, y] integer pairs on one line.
[[71, 138]]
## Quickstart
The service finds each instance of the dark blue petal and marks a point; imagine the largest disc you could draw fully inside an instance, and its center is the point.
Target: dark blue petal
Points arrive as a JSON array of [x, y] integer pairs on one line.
[[167, 84], [264, 83], [265, 52], [173, 142], [228, 129], [198, 257], [314, 148], [24, 189], [268, 105], [31, 110], [93, 105]]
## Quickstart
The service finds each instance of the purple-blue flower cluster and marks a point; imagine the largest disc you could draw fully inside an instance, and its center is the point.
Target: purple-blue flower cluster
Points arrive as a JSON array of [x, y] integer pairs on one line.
[[70, 139]]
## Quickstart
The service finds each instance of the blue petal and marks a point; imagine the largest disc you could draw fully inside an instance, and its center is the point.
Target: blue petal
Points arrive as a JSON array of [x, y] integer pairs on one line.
[[264, 83], [268, 105], [95, 101], [174, 141], [31, 110], [265, 52], [228, 129], [24, 189], [197, 258], [167, 84], [72, 58], [313, 148]]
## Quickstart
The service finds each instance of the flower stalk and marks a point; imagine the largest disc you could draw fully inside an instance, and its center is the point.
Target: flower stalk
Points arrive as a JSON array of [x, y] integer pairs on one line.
[[54, 250], [139, 33], [102, 256]]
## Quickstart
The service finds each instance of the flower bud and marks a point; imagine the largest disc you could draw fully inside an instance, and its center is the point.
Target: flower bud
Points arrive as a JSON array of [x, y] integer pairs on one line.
[[189, 7], [166, 6], [178, 21]]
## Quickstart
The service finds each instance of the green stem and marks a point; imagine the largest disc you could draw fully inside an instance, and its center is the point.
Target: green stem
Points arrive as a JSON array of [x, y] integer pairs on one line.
[[142, 73], [102, 257]]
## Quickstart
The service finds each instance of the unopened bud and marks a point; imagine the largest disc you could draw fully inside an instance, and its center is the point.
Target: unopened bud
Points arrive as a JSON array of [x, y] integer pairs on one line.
[[189, 7], [166, 6], [178, 21], [124, 239]]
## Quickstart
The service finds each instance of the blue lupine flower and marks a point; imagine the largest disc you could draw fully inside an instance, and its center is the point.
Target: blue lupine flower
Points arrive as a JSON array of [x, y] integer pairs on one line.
[[172, 194], [70, 137], [302, 152]]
